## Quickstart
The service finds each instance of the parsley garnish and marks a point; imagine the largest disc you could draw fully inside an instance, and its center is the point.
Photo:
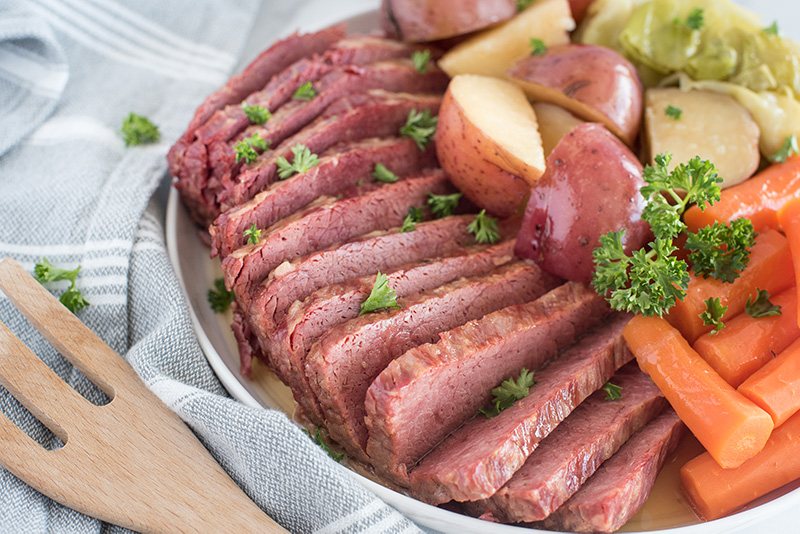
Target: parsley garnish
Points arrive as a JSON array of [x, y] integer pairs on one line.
[[484, 228], [246, 148], [695, 19], [382, 174], [522, 4], [772, 29], [508, 392], [305, 92], [613, 391], [420, 126], [302, 162], [44, 272], [761, 307], [219, 298], [410, 222], [721, 251], [317, 438], [443, 205], [138, 130], [787, 149], [713, 314], [537, 47], [673, 112], [382, 296], [252, 234], [421, 58], [256, 114]]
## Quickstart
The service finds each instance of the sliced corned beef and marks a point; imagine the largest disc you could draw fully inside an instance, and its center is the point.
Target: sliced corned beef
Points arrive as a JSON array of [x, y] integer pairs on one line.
[[342, 364], [335, 172], [572, 452], [619, 488], [478, 458], [431, 390]]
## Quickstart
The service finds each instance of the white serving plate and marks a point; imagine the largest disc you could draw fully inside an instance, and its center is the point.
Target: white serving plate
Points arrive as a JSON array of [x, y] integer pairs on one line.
[[664, 512]]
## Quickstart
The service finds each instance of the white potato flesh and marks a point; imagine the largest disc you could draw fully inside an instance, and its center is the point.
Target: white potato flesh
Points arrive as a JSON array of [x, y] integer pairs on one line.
[[554, 123]]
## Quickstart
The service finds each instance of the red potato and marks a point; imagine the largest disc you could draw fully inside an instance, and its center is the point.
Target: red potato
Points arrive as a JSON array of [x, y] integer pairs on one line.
[[579, 8], [592, 183], [429, 20], [594, 82], [488, 141]]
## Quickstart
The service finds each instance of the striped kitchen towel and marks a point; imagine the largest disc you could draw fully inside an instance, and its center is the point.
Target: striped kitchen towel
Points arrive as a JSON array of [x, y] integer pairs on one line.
[[71, 191]]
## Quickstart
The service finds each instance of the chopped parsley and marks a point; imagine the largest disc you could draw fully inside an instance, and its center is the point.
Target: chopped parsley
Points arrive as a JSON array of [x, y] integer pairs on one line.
[[522, 4], [317, 438], [246, 148], [382, 174], [420, 126], [414, 216], [508, 392], [788, 148], [761, 306], [44, 272], [303, 160], [138, 130], [613, 391], [537, 47], [772, 29], [695, 19], [713, 315], [443, 205], [252, 234], [304, 92], [256, 114], [484, 228], [382, 296], [673, 112], [421, 58], [219, 298]]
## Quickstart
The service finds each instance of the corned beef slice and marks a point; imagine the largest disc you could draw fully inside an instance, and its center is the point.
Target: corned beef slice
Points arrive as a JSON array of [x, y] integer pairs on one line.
[[619, 488], [431, 390], [576, 448], [326, 222], [335, 172], [332, 305], [478, 458], [342, 364]]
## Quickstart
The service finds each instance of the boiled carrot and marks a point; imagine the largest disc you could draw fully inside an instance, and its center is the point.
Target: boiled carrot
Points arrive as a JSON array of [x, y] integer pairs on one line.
[[714, 492], [730, 426], [789, 220], [746, 344], [757, 199], [770, 268], [776, 386]]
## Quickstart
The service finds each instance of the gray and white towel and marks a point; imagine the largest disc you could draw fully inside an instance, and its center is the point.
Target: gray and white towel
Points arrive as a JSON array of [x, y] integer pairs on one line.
[[70, 72]]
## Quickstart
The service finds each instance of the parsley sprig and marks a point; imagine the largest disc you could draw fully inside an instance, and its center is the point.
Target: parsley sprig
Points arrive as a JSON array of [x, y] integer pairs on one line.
[[382, 296], [219, 298], [303, 160], [382, 174], [484, 228], [421, 58], [696, 19], [537, 46], [256, 114], [44, 272], [420, 126], [317, 438], [673, 112], [713, 314], [443, 205], [246, 148], [253, 234], [138, 130], [761, 306], [508, 392], [613, 391], [721, 251], [305, 92], [414, 216]]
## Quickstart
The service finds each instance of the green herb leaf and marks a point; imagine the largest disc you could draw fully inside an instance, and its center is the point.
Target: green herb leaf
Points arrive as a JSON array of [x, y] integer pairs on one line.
[[761, 306], [382, 174], [484, 228], [317, 438], [414, 216], [421, 58], [695, 19], [537, 47], [138, 130], [382, 296], [246, 148], [713, 314], [673, 112], [304, 92], [443, 205], [252, 234], [219, 298], [44, 272], [772, 29], [788, 148], [508, 392], [420, 126], [721, 251], [256, 114], [302, 162], [522, 4], [613, 391]]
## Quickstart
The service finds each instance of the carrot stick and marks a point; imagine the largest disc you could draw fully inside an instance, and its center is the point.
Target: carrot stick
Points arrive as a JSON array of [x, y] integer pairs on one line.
[[758, 198], [789, 220], [770, 268], [746, 344], [730, 426], [776, 386], [714, 492]]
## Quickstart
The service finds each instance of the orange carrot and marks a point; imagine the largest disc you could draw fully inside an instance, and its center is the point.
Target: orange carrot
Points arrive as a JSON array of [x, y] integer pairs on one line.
[[730, 426], [776, 386], [746, 344], [770, 268], [714, 492], [757, 199], [789, 220]]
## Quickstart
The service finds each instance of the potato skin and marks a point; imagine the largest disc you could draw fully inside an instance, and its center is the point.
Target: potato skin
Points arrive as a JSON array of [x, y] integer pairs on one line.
[[429, 20], [592, 182]]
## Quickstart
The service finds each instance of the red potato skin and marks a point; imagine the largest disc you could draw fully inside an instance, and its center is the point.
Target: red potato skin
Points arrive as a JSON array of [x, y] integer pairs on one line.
[[430, 20], [595, 83], [579, 8], [592, 182]]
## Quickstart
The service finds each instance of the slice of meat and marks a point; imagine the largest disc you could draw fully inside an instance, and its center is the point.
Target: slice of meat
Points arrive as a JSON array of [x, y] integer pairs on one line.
[[336, 172], [570, 454], [353, 117], [619, 488], [342, 364], [332, 305], [431, 390], [478, 458], [328, 221]]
